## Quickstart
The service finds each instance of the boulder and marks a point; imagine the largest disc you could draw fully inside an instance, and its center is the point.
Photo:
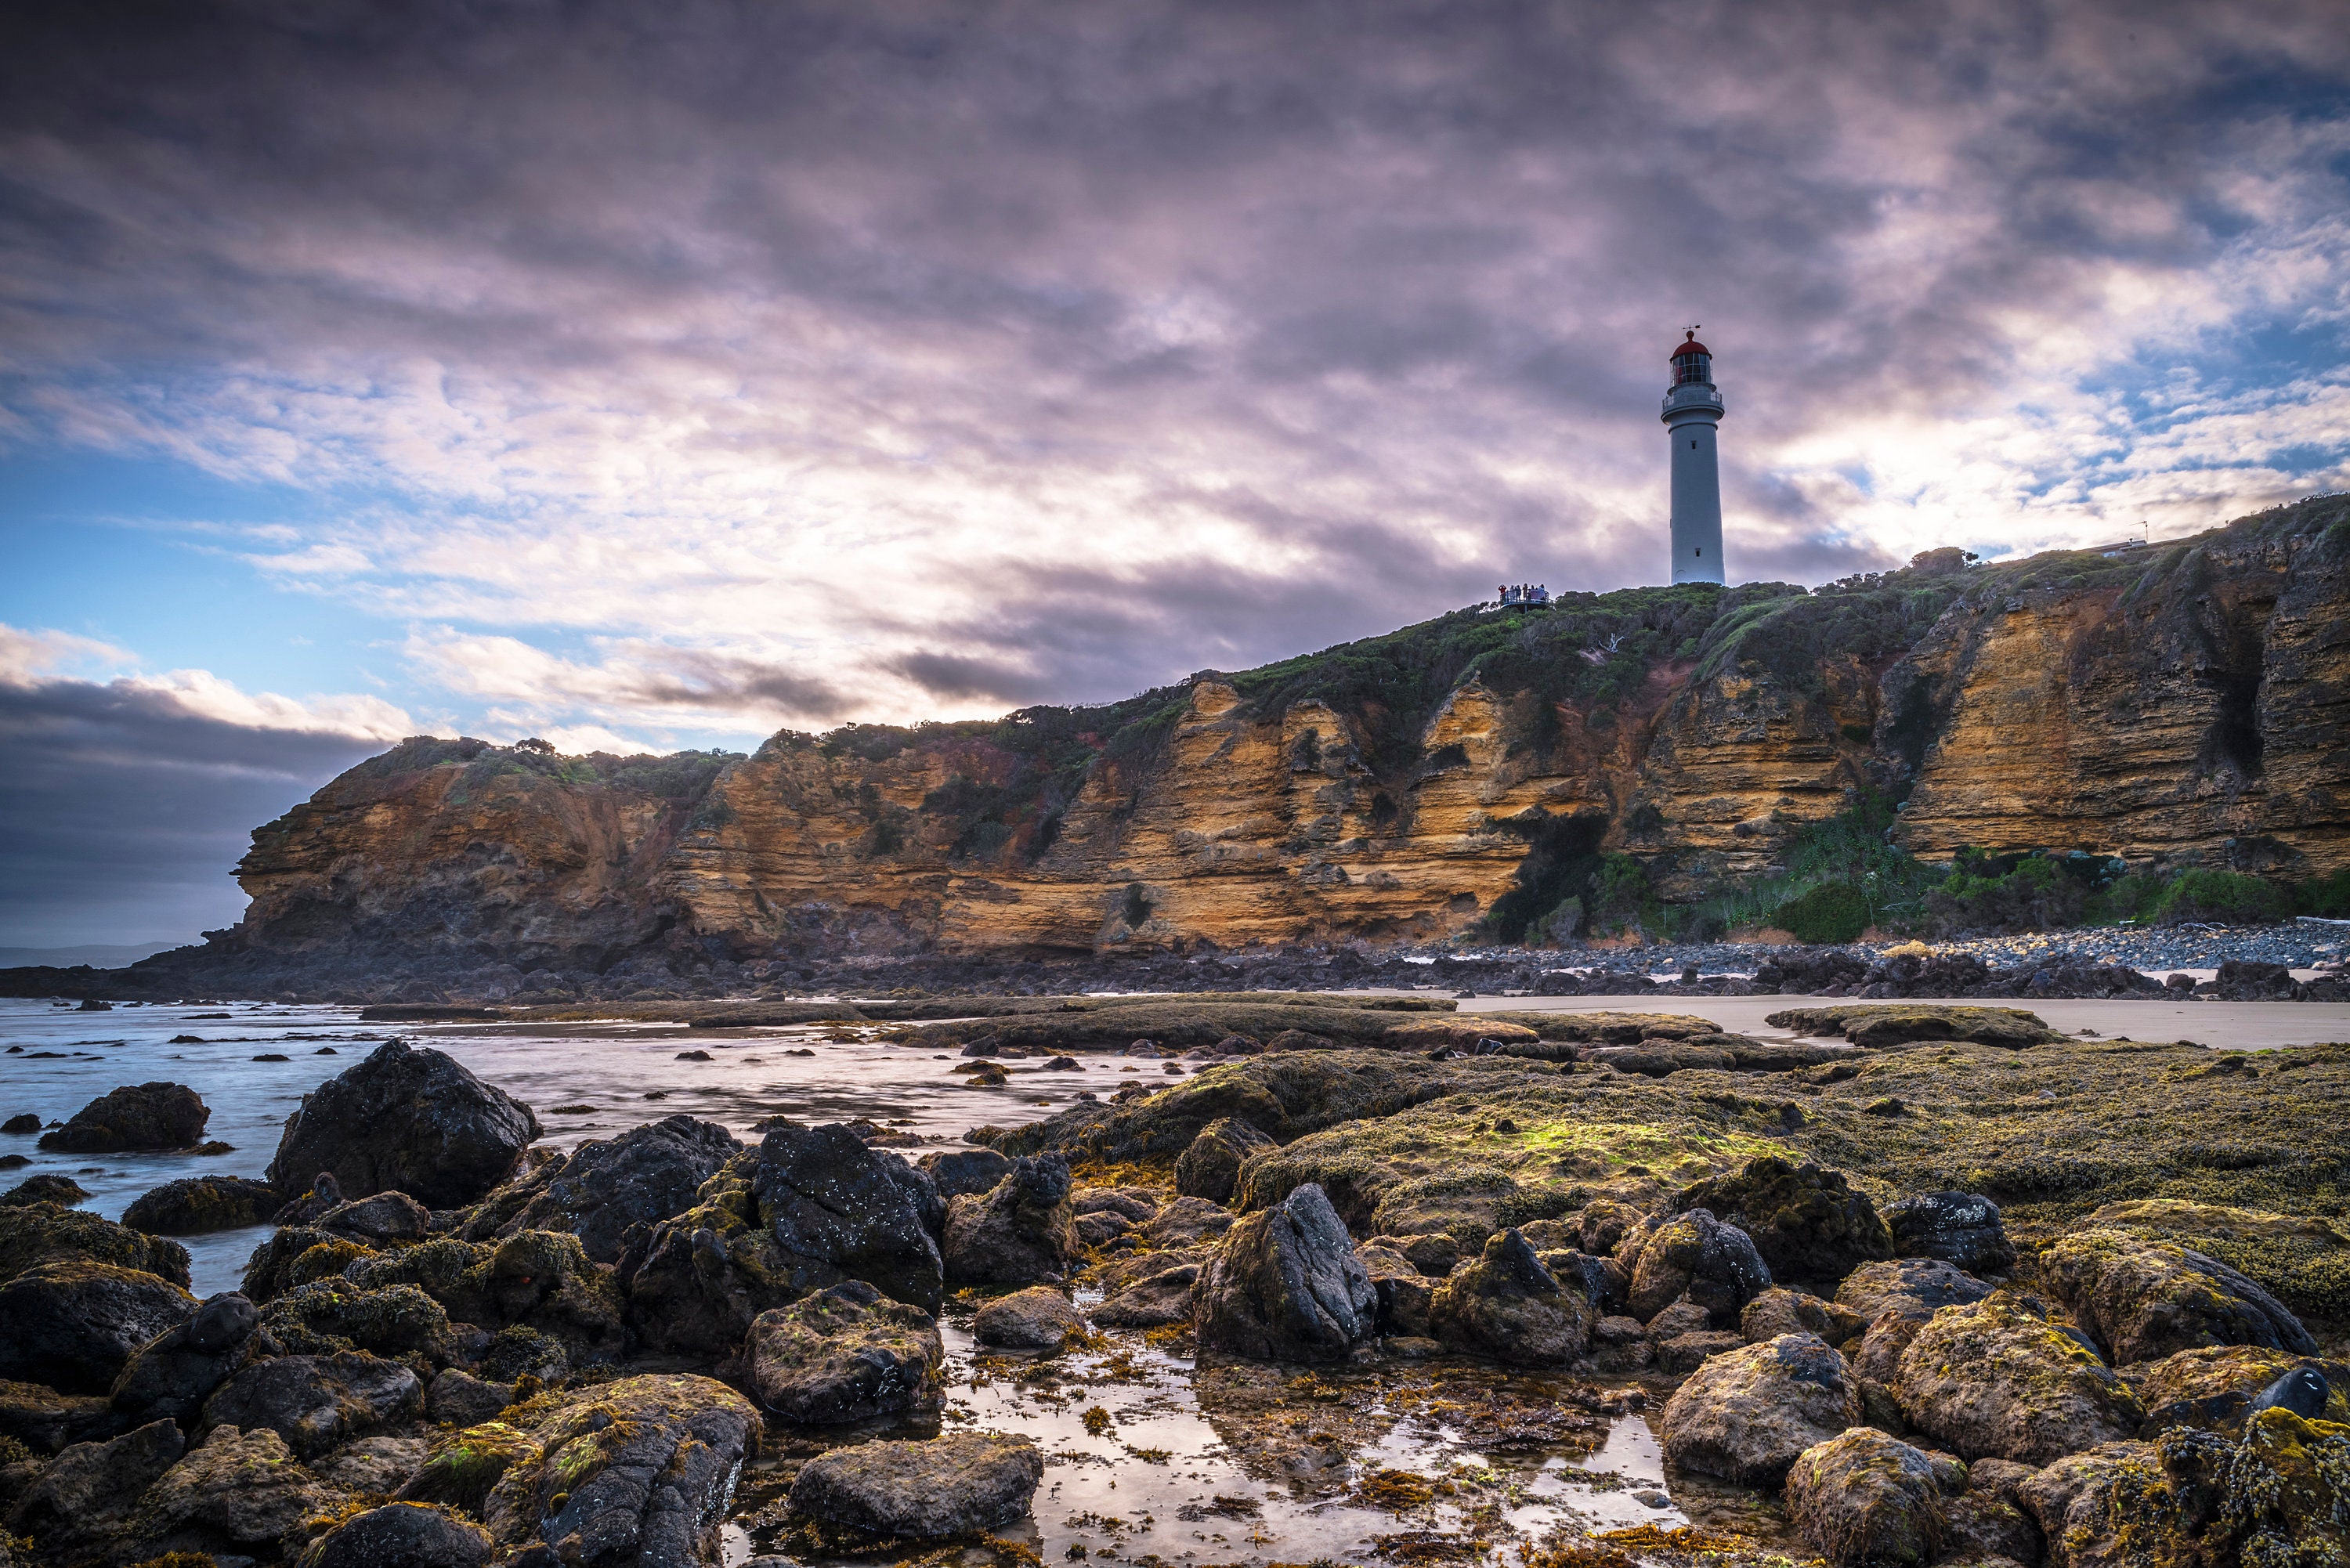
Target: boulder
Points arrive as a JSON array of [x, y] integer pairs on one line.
[[172, 1375], [1980, 1525], [643, 1177], [639, 1470], [2002, 1379], [409, 1119], [1405, 1294], [1186, 1222], [1808, 1225], [2215, 1388], [197, 1205], [1695, 1255], [2106, 1507], [46, 1188], [461, 1467], [1154, 1299], [45, 1420], [947, 1486], [1747, 1413], [838, 1210], [1877, 1357], [2143, 1300], [1779, 1311], [964, 1171], [1285, 1286], [539, 1279], [1961, 1229], [384, 1220], [136, 1116], [1210, 1167], [1134, 1205], [1100, 1229], [371, 1467], [1602, 1280], [846, 1353], [1916, 1288], [317, 1402], [1685, 1353], [1866, 1501], [72, 1325], [1621, 1345], [1508, 1307], [327, 1315], [75, 1506], [1021, 1232], [237, 1494], [1038, 1318], [411, 1535], [456, 1397]]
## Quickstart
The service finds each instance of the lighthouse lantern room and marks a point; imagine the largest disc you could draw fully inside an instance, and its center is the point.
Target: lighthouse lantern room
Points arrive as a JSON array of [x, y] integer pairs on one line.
[[1692, 412]]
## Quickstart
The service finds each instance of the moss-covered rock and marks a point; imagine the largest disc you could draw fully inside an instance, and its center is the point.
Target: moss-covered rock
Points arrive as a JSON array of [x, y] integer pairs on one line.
[[846, 1353], [414, 1535], [461, 1467], [2143, 1300], [2214, 1387], [1748, 1414], [40, 1233], [72, 1325], [1695, 1257], [196, 1205], [1879, 1024], [1209, 1165], [136, 1116], [945, 1487], [329, 1315], [2004, 1378], [1507, 1305], [1285, 1285], [1809, 1225], [1868, 1501]]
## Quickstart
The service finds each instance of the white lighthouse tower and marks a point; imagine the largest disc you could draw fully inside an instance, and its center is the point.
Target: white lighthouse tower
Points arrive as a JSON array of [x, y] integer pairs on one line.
[[1692, 410]]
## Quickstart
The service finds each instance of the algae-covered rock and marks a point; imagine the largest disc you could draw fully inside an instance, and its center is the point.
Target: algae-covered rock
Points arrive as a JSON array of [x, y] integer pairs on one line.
[[846, 1353], [172, 1375], [329, 1315], [72, 1325], [2215, 1387], [2002, 1379], [411, 1535], [46, 1188], [958, 1171], [1868, 1500], [1507, 1305], [455, 1397], [1807, 1223], [2143, 1300], [461, 1467], [79, 1505], [1285, 1285], [1884, 1023], [1779, 1311], [371, 1467], [407, 1119], [317, 1402], [1038, 1318], [1022, 1231], [381, 1220], [38, 1233], [1916, 1288], [136, 1116], [947, 1486], [540, 1280], [45, 1420], [1695, 1255], [237, 1494], [1961, 1229], [1209, 1167], [1186, 1222], [637, 1471], [1153, 1299], [196, 1205], [1747, 1413]]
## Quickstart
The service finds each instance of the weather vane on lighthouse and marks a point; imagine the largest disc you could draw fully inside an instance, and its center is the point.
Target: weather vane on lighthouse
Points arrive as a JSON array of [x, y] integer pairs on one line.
[[1692, 410]]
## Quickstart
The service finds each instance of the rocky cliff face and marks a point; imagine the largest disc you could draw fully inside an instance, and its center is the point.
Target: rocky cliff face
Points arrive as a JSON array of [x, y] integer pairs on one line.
[[2182, 702]]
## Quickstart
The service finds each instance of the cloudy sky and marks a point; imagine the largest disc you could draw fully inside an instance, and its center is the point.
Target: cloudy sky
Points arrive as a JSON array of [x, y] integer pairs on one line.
[[644, 377]]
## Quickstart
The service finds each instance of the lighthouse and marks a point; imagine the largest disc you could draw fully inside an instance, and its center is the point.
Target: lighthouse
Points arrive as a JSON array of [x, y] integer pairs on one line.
[[1693, 411]]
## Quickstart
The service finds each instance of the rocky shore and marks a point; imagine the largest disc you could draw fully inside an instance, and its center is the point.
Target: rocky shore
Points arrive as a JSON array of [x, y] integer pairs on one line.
[[1926, 1284]]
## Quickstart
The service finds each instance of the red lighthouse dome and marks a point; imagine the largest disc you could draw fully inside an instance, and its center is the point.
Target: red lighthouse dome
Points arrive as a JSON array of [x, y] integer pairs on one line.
[[1692, 361]]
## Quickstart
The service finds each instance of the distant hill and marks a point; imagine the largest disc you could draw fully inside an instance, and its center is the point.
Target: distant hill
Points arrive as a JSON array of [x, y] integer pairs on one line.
[[98, 955]]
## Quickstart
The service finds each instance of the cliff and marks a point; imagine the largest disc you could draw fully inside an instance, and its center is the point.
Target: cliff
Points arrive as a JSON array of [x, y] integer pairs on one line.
[[2174, 704]]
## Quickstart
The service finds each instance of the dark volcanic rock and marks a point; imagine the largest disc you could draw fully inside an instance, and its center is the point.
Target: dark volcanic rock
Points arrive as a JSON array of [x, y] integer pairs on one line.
[[410, 1534], [135, 1117], [172, 1375], [637, 1471], [1696, 1256], [1154, 1299], [41, 1233], [1021, 1232], [75, 1506], [1210, 1167], [1745, 1415], [1961, 1229], [846, 1353], [1507, 1305], [315, 1402], [958, 1171], [947, 1486], [194, 1205], [386, 1219], [45, 1420], [1285, 1285], [1808, 1224], [404, 1119], [72, 1325], [456, 1397], [645, 1176]]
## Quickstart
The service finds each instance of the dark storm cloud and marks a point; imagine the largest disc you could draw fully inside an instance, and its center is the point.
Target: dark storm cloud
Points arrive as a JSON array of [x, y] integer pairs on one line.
[[127, 811]]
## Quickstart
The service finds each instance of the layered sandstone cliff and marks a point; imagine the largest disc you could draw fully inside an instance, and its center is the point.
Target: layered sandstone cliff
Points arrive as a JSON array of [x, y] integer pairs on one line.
[[2176, 704]]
